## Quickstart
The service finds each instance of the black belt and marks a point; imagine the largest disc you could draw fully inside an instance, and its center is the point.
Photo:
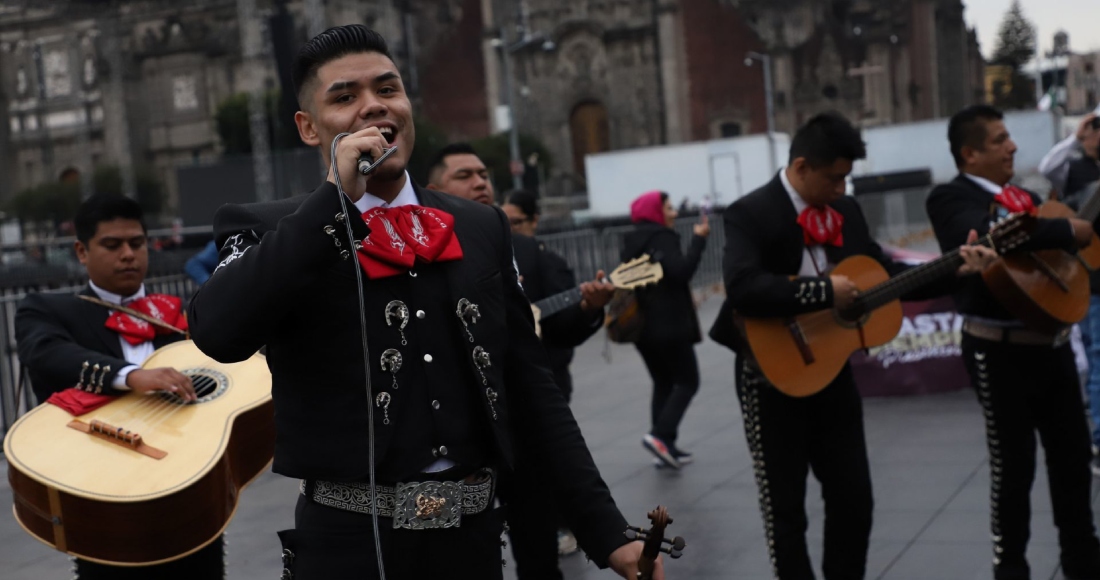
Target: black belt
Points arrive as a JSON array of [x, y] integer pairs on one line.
[[417, 505]]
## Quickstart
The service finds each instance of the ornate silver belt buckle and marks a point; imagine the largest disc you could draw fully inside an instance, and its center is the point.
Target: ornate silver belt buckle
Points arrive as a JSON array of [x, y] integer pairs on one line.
[[428, 505]]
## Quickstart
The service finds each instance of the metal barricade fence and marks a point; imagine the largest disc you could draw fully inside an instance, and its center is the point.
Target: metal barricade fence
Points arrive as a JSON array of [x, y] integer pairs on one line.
[[10, 404], [590, 250], [587, 251]]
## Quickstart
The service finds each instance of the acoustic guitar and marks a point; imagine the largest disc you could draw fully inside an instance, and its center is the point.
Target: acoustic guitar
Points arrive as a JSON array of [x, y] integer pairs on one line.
[[640, 271], [1049, 289], [801, 355], [144, 479]]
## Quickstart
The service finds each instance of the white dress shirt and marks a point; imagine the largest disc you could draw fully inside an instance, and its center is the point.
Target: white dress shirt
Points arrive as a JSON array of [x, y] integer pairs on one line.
[[813, 254], [985, 184], [134, 354], [407, 196]]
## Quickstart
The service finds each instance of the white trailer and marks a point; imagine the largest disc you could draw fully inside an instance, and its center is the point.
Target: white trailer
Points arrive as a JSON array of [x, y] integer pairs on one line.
[[726, 169], [723, 169]]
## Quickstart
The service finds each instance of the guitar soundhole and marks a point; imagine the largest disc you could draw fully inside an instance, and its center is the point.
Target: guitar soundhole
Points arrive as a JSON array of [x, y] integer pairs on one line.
[[209, 384]]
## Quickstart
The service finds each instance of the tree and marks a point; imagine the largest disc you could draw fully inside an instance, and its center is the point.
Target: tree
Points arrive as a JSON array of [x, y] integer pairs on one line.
[[1015, 47], [495, 152], [235, 127], [1015, 39], [150, 191], [54, 202]]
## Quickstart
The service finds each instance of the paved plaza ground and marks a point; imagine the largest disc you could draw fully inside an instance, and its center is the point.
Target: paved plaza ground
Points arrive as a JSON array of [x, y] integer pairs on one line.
[[928, 462]]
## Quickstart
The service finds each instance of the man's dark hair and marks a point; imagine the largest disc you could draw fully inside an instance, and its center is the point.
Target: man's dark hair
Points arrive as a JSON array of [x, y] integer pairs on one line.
[[439, 160], [526, 201], [104, 207], [826, 138], [967, 129], [330, 45]]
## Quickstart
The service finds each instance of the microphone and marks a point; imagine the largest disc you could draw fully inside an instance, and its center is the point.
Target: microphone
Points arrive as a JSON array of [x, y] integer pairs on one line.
[[367, 163]]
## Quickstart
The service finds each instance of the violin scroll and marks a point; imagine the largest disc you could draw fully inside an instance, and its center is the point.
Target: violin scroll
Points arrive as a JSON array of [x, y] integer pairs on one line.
[[655, 542]]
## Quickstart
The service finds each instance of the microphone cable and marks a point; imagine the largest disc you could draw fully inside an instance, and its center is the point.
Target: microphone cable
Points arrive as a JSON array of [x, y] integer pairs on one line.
[[366, 348]]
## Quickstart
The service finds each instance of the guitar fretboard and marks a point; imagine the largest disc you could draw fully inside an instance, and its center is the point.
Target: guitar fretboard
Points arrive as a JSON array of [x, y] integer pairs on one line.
[[1090, 210], [558, 302], [913, 278]]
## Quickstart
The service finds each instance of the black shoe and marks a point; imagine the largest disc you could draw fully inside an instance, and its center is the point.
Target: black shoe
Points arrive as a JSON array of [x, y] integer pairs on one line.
[[684, 457]]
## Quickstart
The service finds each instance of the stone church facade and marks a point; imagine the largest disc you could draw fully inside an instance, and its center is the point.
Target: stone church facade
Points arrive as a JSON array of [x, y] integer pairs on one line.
[[82, 86]]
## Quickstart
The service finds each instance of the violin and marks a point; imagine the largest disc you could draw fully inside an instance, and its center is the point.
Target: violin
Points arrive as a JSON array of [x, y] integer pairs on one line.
[[655, 542]]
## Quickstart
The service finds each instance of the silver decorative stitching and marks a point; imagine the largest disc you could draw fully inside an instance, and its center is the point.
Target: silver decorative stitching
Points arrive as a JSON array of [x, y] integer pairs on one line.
[[750, 396], [996, 464]]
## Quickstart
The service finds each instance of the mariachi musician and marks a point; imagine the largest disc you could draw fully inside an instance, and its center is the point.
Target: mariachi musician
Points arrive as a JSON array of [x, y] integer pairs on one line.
[[66, 341], [1026, 379], [401, 436], [781, 242]]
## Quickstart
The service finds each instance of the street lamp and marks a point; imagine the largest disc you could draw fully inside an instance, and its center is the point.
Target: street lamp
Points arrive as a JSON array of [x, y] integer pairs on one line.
[[766, 60], [506, 50], [516, 165]]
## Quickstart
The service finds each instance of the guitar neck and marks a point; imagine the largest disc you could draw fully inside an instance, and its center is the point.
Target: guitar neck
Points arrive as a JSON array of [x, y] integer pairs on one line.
[[914, 278], [558, 302], [1090, 210]]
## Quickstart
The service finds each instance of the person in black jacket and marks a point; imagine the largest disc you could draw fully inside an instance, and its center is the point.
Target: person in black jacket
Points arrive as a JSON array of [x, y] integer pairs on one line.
[[782, 241], [399, 401], [1026, 380], [537, 540], [64, 341], [671, 328]]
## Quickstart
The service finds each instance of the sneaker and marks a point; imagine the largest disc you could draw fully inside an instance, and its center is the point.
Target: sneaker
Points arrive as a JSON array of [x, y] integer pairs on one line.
[[660, 451], [684, 457], [567, 543]]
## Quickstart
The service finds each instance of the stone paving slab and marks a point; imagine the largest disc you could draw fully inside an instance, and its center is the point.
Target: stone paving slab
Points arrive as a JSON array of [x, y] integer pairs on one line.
[[928, 464]]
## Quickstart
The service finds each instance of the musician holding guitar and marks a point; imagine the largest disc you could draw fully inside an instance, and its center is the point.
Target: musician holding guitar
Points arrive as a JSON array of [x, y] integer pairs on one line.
[[781, 242], [66, 341], [1026, 378]]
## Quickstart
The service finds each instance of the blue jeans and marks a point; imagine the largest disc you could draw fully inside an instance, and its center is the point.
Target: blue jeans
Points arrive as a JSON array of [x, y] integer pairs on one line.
[[1090, 336]]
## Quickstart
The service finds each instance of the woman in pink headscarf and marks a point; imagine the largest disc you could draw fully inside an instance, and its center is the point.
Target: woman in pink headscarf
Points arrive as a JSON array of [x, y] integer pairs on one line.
[[671, 328]]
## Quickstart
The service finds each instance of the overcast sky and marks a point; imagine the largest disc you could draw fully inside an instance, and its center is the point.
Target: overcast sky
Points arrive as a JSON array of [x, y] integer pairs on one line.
[[1080, 18]]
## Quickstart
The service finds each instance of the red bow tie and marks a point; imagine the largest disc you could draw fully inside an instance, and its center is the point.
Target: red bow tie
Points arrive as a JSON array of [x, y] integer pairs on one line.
[[1015, 200], [163, 307], [822, 225], [399, 236]]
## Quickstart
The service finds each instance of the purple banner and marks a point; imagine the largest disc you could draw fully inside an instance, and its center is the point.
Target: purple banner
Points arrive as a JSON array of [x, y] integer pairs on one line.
[[924, 357]]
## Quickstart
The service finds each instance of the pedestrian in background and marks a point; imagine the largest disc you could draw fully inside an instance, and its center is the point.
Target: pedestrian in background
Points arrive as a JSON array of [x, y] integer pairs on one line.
[[671, 328]]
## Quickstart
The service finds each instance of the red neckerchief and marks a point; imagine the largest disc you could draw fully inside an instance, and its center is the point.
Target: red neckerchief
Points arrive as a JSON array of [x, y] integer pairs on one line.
[[1015, 200], [163, 307], [77, 402], [401, 236], [821, 225]]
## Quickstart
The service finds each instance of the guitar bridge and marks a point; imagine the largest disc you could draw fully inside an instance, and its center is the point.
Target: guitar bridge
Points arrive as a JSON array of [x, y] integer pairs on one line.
[[117, 435], [800, 341]]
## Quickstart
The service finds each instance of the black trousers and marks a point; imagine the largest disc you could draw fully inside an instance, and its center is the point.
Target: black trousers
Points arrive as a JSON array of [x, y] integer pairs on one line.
[[675, 374], [1024, 390], [788, 437], [533, 520], [207, 563], [332, 544]]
